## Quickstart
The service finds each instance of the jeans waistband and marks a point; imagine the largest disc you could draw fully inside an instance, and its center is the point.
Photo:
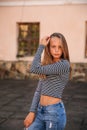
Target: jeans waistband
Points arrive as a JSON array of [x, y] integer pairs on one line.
[[53, 105]]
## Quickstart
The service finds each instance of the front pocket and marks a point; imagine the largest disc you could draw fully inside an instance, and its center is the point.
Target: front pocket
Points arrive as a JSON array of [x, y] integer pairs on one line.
[[51, 116]]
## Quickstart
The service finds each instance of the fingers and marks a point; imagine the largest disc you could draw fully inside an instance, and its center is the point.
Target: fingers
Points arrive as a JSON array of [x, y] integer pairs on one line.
[[27, 123], [45, 40], [29, 119], [48, 39]]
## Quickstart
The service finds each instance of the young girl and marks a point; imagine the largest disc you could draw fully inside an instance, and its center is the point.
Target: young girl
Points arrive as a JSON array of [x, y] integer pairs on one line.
[[47, 110]]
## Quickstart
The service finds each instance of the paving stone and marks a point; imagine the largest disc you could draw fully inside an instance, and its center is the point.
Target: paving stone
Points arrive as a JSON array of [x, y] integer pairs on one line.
[[19, 115], [5, 114], [9, 108], [12, 124], [84, 124], [2, 120]]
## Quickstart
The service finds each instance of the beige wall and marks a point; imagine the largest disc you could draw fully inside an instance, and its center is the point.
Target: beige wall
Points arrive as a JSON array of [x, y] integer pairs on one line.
[[67, 19]]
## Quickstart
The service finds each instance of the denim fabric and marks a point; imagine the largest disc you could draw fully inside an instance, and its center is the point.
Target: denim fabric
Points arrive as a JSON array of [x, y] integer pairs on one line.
[[51, 117]]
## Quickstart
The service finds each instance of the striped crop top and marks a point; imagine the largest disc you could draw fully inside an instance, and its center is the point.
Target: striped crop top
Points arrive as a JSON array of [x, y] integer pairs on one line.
[[57, 76]]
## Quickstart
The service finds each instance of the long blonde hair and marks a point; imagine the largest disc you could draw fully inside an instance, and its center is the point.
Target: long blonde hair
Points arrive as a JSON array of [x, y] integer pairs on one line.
[[47, 58]]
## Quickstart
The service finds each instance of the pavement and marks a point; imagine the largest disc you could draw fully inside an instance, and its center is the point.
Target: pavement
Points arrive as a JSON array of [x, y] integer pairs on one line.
[[16, 97]]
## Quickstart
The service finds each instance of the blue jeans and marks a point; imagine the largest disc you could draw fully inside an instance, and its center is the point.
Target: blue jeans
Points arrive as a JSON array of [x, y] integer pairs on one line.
[[51, 117]]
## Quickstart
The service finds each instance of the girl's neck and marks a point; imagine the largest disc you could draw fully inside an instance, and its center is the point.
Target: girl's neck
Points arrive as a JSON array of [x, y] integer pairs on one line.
[[56, 60]]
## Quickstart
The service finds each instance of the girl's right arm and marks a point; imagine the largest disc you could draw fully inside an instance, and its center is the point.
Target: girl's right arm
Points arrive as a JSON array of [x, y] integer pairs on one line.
[[36, 97], [31, 116], [29, 119]]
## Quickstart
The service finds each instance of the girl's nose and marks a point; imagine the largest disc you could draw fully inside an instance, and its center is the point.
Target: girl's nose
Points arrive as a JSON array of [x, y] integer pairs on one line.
[[56, 49]]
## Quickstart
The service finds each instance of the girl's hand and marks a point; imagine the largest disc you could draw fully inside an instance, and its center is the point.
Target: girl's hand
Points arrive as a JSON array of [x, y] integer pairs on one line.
[[29, 119], [45, 40]]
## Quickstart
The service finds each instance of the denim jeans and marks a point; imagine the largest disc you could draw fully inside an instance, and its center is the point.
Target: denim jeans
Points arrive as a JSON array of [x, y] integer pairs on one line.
[[51, 117]]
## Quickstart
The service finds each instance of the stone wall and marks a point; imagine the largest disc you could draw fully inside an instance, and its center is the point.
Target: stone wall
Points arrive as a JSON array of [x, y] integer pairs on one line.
[[79, 71], [20, 70]]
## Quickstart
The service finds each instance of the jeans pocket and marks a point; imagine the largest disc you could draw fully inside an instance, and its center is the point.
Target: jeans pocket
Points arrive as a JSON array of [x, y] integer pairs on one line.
[[51, 116]]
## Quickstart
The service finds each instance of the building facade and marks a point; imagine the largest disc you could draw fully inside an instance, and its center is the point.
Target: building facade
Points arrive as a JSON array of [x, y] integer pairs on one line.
[[68, 17]]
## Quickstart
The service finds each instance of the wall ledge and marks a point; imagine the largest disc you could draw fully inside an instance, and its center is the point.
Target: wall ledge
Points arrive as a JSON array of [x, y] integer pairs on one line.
[[20, 70]]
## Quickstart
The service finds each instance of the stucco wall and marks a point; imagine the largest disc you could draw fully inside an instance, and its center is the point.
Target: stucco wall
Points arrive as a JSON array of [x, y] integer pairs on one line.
[[67, 19]]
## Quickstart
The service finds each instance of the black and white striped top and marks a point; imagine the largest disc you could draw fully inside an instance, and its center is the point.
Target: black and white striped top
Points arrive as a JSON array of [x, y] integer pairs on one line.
[[57, 76]]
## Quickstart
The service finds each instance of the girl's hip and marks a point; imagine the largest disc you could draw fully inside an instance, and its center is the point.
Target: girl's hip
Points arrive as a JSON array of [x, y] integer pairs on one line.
[[58, 107]]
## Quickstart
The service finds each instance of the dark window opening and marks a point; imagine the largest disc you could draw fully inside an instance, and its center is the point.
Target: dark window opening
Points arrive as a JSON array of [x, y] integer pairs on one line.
[[28, 39]]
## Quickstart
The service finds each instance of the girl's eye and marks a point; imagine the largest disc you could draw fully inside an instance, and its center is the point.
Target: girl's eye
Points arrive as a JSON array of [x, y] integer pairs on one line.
[[53, 46], [60, 47]]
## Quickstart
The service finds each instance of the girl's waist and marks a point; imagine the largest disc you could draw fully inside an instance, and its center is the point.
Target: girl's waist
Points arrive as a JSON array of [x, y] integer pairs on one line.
[[48, 100]]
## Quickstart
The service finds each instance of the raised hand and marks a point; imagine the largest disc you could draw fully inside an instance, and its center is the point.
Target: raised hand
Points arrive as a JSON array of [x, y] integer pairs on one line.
[[45, 40]]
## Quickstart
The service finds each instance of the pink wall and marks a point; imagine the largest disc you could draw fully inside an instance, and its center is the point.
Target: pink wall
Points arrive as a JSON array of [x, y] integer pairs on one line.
[[67, 19]]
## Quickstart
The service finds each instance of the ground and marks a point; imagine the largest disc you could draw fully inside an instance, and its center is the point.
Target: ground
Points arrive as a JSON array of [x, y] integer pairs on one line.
[[16, 97]]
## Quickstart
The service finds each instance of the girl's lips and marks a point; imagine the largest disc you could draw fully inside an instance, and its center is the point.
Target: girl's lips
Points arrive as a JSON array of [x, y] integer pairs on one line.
[[56, 54]]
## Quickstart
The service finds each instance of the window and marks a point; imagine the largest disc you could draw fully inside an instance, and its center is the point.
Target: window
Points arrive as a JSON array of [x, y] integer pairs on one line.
[[86, 42], [28, 39]]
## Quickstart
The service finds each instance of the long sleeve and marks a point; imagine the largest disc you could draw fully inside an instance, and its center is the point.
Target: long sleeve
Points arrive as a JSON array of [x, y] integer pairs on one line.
[[59, 67], [36, 98]]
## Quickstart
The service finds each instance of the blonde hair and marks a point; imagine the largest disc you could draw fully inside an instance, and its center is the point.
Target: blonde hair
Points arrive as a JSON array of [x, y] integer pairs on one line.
[[47, 58]]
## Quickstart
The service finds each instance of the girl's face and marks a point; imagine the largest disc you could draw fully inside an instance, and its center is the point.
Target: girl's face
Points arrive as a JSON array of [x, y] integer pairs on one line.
[[56, 48]]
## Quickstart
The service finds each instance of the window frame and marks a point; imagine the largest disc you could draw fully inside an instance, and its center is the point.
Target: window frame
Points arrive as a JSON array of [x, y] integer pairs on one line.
[[24, 40]]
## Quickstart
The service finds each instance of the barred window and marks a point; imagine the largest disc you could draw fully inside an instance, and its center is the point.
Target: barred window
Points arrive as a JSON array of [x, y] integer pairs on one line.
[[28, 39]]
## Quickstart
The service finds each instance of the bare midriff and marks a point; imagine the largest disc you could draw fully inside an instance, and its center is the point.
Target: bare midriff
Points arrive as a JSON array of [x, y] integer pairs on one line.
[[48, 100]]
